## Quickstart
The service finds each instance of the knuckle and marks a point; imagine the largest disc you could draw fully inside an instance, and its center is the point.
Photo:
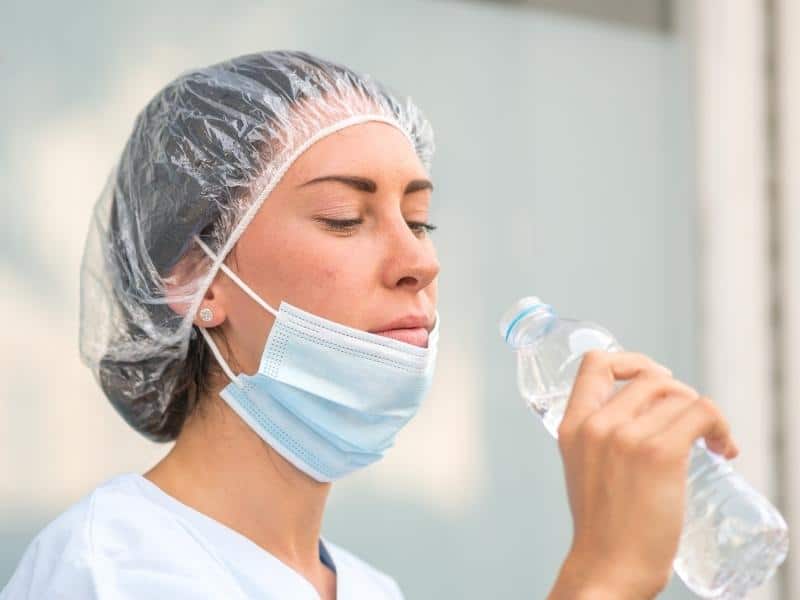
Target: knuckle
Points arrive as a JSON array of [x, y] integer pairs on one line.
[[708, 409], [655, 452], [672, 388], [707, 404], [648, 384], [594, 430], [658, 381], [624, 440], [664, 385]]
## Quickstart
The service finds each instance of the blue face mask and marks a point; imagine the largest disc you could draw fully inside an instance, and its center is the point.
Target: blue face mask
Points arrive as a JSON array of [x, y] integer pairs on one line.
[[329, 398]]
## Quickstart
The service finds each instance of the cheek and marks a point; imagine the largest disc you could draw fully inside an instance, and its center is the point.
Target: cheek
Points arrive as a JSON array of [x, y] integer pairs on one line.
[[337, 279], [335, 282], [322, 271], [329, 274], [314, 269]]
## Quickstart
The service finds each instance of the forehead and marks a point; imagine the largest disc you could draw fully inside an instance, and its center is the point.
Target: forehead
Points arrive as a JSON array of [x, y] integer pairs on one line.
[[369, 148]]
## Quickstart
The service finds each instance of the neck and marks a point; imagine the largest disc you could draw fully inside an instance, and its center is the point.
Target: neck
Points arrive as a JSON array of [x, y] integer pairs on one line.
[[220, 467]]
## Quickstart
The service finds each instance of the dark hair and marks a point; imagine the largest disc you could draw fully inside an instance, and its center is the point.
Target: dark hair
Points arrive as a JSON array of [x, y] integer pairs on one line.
[[192, 381], [183, 381]]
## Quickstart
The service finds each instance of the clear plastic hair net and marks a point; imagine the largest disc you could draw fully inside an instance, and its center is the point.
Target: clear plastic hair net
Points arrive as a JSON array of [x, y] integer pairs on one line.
[[203, 156]]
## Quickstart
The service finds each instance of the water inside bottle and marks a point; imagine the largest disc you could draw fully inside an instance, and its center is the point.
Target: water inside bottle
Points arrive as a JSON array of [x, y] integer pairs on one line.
[[550, 407], [730, 541]]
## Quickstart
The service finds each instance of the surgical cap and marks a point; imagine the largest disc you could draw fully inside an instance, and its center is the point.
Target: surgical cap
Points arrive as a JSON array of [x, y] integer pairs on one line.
[[203, 156]]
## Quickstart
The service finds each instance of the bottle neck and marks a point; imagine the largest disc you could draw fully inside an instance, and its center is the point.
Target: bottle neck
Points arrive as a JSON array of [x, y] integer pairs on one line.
[[530, 324]]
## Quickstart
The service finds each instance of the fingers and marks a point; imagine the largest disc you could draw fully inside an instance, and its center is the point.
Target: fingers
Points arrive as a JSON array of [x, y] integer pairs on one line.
[[637, 397], [658, 416], [653, 407], [595, 381], [701, 418], [634, 433]]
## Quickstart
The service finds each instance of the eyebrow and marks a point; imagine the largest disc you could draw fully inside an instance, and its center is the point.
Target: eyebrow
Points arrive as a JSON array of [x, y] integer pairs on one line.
[[364, 184]]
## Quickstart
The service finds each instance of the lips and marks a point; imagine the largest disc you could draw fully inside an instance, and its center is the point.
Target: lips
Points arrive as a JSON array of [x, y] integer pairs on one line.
[[418, 336], [411, 328]]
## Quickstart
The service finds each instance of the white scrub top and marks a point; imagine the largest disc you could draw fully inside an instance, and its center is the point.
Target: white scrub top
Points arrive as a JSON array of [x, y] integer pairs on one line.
[[128, 540]]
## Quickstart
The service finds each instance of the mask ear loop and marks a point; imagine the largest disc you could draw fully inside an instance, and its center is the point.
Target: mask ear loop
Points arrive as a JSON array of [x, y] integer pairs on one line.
[[247, 290]]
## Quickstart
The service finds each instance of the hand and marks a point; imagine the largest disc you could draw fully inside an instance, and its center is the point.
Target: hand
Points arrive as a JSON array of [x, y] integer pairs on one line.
[[626, 455]]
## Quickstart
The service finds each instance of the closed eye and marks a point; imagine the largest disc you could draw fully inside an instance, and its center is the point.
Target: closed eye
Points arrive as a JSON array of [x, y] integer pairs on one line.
[[421, 226], [341, 224], [349, 224]]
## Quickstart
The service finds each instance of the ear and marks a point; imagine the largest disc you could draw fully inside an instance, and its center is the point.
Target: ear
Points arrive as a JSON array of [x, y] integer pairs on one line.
[[186, 271]]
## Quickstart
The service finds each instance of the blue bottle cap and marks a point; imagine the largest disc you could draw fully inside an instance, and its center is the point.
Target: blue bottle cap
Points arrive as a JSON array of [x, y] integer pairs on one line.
[[517, 311]]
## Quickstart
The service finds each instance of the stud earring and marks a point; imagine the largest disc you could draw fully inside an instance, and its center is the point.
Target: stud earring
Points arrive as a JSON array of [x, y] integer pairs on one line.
[[206, 314]]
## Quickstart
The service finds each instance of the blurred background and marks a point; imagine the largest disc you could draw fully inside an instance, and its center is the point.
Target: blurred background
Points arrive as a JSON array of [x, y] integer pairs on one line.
[[631, 163]]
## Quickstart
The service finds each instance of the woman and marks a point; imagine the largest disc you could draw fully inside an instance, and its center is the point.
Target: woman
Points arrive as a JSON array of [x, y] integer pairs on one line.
[[259, 286]]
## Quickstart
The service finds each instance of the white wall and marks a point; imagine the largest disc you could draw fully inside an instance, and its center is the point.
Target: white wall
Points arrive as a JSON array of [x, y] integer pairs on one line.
[[788, 138], [748, 131]]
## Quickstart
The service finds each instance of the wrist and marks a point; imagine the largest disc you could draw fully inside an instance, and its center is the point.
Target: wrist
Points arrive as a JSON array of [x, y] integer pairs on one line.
[[574, 584], [581, 579]]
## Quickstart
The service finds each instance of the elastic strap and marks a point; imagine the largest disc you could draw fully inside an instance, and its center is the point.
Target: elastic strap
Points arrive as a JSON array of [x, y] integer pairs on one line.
[[218, 355], [245, 288]]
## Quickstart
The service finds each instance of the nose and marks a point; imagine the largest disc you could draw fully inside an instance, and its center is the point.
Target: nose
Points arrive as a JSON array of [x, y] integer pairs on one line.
[[410, 259]]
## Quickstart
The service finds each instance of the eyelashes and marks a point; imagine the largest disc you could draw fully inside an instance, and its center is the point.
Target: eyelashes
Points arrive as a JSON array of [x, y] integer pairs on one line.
[[349, 225], [421, 226], [341, 224]]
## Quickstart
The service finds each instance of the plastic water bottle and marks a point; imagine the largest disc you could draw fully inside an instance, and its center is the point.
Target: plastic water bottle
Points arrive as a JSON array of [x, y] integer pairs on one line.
[[733, 539]]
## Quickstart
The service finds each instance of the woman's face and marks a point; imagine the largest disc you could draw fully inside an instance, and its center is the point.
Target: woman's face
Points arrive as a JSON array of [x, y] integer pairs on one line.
[[373, 267]]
